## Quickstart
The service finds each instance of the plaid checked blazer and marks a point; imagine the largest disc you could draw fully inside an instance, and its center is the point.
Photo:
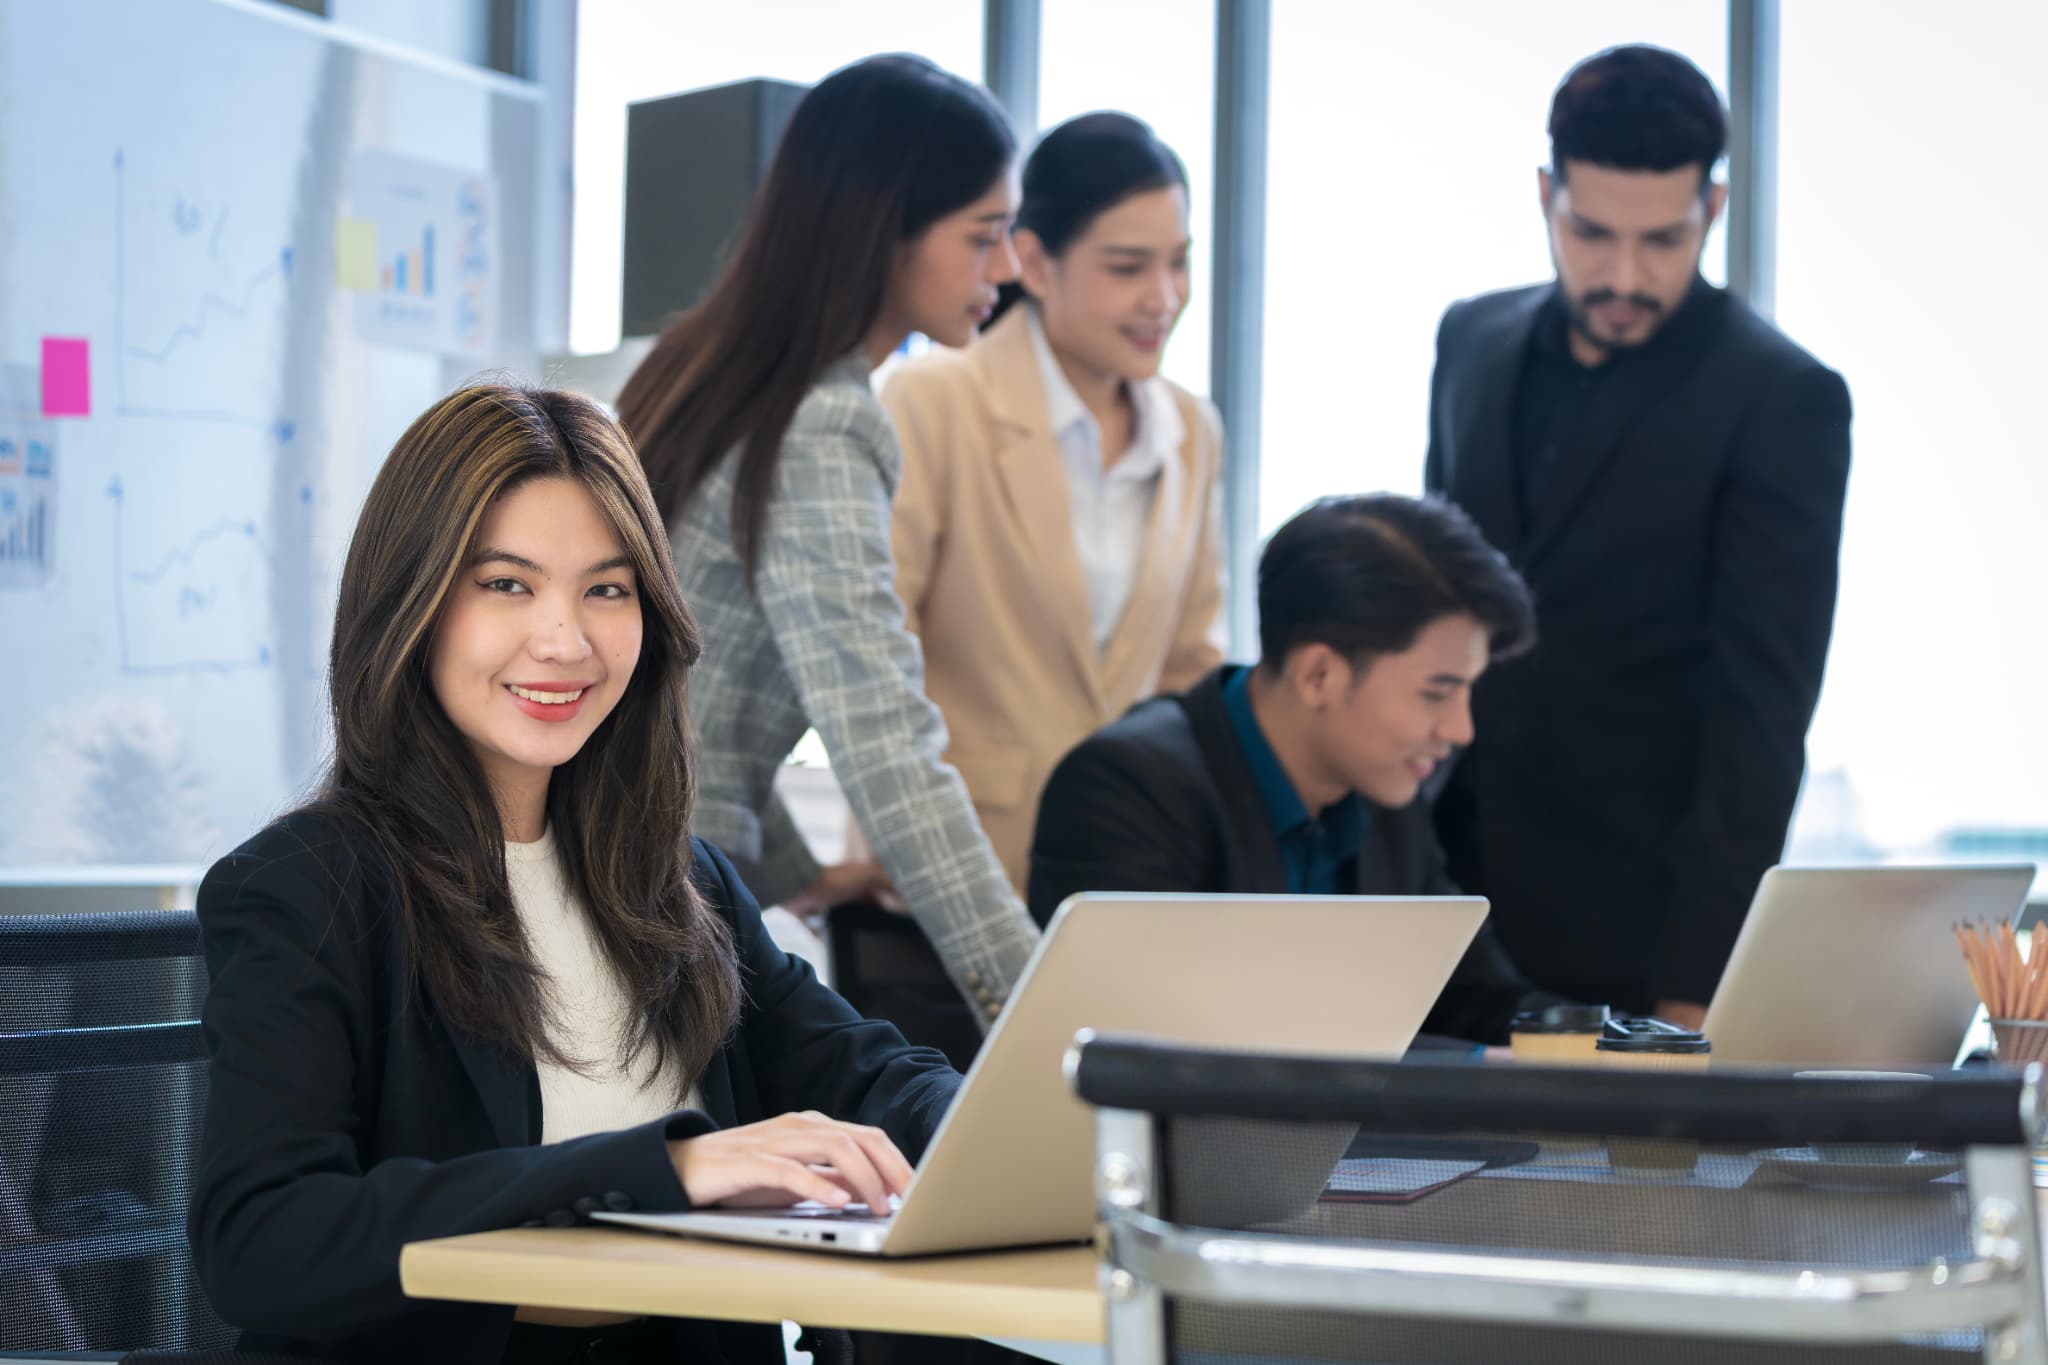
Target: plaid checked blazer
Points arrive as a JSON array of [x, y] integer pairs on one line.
[[819, 640]]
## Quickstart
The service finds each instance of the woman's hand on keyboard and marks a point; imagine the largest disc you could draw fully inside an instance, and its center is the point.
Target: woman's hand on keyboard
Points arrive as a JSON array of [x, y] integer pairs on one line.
[[791, 1158]]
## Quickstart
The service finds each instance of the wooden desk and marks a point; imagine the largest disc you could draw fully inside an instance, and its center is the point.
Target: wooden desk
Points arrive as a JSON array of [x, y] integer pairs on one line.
[[1019, 1297], [1046, 1294]]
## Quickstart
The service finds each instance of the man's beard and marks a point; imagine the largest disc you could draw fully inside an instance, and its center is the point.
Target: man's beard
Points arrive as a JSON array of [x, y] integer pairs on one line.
[[1580, 313]]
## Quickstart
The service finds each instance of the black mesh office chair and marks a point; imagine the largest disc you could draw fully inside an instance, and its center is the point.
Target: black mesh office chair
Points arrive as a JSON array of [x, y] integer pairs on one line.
[[884, 966], [1272, 1209], [102, 1088]]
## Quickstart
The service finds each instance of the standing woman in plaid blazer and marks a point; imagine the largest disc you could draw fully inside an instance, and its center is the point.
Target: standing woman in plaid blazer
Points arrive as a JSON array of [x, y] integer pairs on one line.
[[887, 211]]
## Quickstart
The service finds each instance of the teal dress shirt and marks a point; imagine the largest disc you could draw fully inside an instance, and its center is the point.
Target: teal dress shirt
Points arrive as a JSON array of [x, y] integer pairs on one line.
[[1319, 852]]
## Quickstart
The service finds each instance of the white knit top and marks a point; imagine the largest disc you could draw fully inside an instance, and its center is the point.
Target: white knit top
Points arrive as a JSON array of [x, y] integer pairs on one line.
[[590, 1014]]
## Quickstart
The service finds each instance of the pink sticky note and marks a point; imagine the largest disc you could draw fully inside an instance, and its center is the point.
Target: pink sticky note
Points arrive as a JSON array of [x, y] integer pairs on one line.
[[67, 377]]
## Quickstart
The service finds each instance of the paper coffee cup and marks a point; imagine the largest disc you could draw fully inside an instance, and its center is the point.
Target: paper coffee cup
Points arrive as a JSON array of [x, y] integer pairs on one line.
[[1654, 1061], [1652, 1045]]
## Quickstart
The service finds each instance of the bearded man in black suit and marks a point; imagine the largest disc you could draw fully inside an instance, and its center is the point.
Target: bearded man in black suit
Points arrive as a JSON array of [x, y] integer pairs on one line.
[[1666, 470]]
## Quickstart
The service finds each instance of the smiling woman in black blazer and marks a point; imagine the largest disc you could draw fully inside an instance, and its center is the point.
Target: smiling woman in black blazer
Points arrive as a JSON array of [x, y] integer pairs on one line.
[[485, 978]]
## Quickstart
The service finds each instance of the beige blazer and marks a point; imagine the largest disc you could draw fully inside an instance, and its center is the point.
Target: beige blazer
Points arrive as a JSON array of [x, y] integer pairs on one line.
[[988, 573]]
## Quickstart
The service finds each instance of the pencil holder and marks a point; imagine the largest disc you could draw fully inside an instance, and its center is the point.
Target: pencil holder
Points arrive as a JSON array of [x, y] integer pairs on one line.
[[2019, 1041]]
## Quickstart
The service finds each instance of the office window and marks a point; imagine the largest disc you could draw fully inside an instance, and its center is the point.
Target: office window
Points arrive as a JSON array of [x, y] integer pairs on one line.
[[1405, 140], [1910, 199], [1155, 60], [630, 50]]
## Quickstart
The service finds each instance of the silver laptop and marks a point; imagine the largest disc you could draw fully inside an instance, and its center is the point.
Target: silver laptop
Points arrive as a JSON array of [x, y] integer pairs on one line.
[[1856, 966], [1009, 1165]]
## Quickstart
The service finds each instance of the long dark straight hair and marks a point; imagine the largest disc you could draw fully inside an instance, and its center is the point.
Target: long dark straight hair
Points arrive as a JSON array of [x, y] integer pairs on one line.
[[874, 155], [1080, 171], [620, 809]]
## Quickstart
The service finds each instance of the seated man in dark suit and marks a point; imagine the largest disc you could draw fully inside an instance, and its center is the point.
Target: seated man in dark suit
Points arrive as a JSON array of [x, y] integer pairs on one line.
[[1302, 774]]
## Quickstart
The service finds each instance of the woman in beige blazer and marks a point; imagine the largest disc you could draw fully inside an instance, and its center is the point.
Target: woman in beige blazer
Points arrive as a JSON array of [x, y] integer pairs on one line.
[[1057, 531]]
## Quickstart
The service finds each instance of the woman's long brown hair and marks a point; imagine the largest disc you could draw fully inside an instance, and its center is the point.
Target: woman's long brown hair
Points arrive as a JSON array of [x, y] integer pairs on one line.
[[873, 155], [620, 809]]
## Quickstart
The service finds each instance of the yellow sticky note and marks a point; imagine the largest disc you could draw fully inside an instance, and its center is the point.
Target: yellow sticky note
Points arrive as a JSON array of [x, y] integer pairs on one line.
[[355, 254]]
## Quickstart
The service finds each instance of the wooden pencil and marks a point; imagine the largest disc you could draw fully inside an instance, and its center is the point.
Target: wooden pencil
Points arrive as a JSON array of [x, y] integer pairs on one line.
[[1971, 966]]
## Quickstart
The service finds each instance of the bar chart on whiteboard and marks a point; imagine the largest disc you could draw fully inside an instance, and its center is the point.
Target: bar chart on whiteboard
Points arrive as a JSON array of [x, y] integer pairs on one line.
[[421, 253], [28, 481]]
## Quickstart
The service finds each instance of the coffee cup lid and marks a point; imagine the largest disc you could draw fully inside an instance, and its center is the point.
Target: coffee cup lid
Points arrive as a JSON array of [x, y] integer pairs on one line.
[[1561, 1019], [1649, 1035]]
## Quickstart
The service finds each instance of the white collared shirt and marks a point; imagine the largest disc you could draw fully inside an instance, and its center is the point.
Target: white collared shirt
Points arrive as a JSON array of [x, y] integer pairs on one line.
[[1112, 508]]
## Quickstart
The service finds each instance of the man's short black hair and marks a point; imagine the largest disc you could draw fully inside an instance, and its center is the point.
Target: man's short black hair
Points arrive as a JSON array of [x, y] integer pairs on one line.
[[1367, 574], [1637, 108]]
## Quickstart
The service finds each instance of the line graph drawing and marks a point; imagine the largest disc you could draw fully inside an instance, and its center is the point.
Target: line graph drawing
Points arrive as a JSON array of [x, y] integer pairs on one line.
[[179, 367], [182, 557], [200, 607], [194, 330]]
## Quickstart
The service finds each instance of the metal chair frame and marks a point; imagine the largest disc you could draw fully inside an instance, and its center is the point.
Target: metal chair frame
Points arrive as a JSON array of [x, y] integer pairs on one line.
[[1147, 1260]]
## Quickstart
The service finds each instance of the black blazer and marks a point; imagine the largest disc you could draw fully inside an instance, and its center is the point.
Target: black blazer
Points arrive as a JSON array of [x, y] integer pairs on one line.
[[1163, 800], [343, 1123], [1634, 776]]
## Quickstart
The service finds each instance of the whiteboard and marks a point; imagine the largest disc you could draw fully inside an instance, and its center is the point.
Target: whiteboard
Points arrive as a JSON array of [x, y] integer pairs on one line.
[[239, 252]]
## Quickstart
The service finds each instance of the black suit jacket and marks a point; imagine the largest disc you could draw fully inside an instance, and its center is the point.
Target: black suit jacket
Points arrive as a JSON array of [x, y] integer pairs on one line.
[[1163, 800], [1634, 776], [343, 1123]]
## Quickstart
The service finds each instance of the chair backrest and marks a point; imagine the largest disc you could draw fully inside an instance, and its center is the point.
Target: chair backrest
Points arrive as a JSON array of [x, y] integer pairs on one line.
[[102, 1090], [885, 967], [1485, 1214]]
